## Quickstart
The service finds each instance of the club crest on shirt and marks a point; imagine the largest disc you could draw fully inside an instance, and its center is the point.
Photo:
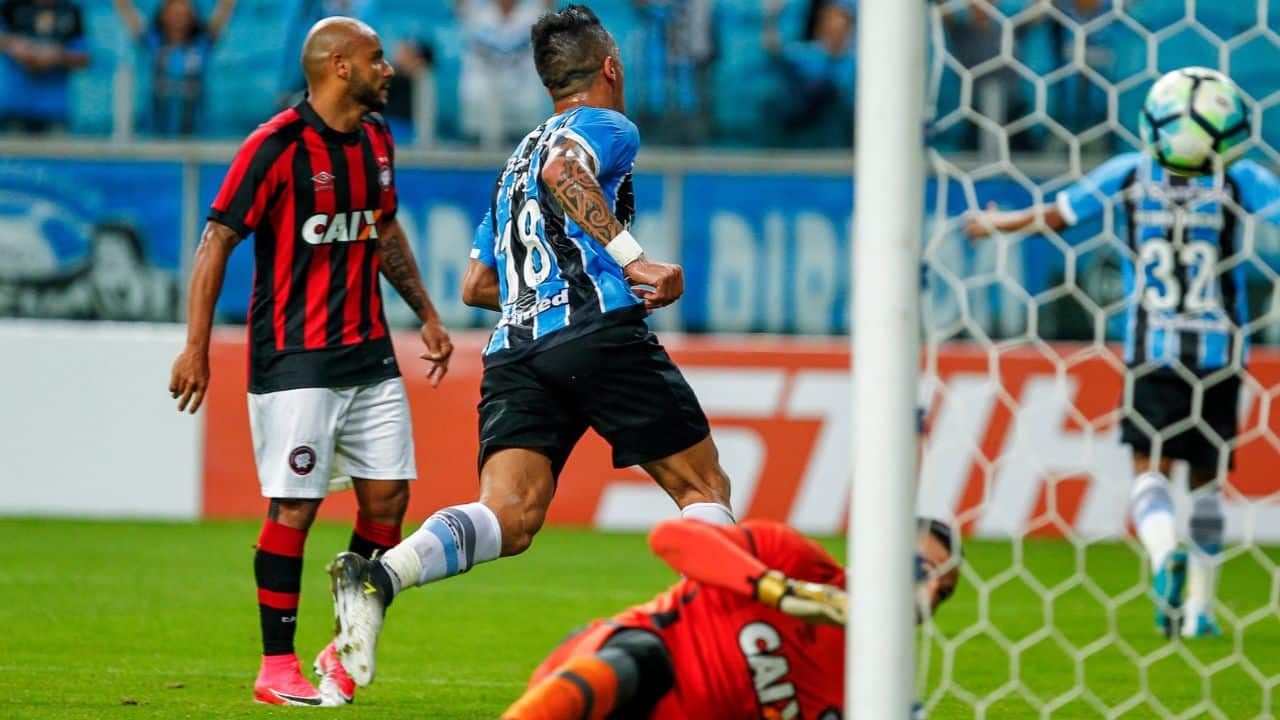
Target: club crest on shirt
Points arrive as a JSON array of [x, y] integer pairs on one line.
[[302, 460], [384, 173]]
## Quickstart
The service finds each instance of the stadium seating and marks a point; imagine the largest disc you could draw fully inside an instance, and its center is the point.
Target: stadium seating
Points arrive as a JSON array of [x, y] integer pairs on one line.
[[92, 88], [251, 67], [245, 83]]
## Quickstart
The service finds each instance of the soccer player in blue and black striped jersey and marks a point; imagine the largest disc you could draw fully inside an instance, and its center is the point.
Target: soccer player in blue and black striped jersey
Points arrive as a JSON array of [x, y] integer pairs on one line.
[[571, 350], [1185, 346]]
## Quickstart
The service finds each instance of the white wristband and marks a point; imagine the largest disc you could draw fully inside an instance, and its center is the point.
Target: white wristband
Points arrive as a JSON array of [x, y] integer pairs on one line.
[[624, 249]]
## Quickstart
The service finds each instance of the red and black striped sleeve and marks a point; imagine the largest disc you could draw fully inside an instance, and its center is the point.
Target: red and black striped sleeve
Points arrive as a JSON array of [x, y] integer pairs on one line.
[[252, 180]]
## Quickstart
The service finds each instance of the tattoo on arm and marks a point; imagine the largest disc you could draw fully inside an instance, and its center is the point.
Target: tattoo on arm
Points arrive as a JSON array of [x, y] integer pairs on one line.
[[397, 264], [581, 196]]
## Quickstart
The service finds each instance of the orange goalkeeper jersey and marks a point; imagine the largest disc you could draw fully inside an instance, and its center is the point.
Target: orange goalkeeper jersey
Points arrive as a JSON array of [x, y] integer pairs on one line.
[[734, 658]]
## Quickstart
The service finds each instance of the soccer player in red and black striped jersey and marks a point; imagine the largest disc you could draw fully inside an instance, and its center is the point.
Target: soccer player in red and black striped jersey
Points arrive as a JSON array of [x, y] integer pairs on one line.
[[315, 185]]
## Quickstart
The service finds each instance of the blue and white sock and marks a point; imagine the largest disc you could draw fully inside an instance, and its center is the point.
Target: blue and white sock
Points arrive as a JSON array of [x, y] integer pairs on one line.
[[708, 512], [450, 542], [1207, 528], [1151, 506]]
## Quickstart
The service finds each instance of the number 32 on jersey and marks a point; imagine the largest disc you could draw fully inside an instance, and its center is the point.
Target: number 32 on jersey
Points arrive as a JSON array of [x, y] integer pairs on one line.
[[1198, 261]]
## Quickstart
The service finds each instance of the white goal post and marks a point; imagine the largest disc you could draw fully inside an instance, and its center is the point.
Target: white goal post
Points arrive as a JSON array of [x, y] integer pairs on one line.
[[889, 205]]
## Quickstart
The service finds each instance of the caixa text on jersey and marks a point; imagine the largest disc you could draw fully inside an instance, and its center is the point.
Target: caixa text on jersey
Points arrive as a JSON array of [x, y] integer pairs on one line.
[[357, 225]]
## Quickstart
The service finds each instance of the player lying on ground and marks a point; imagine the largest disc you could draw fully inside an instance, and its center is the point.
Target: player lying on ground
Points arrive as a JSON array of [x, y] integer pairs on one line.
[[755, 629], [572, 349], [315, 186], [1186, 306]]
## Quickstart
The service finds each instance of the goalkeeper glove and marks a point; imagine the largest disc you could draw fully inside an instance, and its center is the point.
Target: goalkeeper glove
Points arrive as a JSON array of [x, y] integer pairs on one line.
[[811, 602]]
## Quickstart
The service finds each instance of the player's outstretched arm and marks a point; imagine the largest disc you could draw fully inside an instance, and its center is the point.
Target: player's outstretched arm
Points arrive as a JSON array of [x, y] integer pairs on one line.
[[398, 266], [716, 556], [570, 175], [189, 379], [1089, 197], [708, 554], [991, 220]]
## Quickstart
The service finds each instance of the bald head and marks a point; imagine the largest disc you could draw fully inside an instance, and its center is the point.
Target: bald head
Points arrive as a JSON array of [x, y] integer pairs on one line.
[[345, 65], [333, 35]]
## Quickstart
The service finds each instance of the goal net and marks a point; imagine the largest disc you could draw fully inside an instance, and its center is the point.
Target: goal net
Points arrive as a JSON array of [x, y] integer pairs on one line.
[[1026, 381]]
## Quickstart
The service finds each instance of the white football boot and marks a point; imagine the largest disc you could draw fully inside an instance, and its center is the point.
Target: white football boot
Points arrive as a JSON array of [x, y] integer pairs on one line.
[[358, 607]]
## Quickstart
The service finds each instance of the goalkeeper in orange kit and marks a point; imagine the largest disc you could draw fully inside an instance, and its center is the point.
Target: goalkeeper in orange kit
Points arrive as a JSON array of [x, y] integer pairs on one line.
[[755, 629]]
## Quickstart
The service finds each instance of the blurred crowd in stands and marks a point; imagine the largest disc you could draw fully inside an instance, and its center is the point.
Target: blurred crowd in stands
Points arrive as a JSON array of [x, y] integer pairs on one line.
[[736, 73]]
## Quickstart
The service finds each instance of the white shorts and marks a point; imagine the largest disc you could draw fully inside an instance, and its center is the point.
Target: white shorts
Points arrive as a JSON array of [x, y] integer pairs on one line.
[[310, 441]]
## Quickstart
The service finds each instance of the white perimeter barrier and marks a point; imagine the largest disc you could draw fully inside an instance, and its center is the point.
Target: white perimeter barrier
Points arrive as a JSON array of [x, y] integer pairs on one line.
[[86, 425]]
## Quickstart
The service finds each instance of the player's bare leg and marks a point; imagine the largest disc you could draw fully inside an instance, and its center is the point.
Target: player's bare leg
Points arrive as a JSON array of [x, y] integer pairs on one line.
[[696, 482], [278, 571], [382, 504], [516, 487], [382, 501], [1203, 556], [1151, 505]]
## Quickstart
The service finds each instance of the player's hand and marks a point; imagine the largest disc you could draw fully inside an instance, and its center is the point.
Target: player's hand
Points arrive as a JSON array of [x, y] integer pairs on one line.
[[665, 279], [982, 223], [190, 378], [812, 602], [439, 350]]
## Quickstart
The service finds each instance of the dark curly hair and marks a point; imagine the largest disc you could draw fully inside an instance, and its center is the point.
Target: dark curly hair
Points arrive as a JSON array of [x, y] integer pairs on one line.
[[568, 48]]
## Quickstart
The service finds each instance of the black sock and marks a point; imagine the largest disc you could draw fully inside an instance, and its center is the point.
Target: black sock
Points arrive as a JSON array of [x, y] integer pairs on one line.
[[364, 547]]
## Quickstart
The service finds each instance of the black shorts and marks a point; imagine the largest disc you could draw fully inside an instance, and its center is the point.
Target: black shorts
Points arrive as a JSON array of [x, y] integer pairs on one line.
[[618, 381], [1163, 398]]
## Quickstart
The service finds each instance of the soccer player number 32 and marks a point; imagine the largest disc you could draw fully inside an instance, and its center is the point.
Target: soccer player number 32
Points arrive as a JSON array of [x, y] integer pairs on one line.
[[1201, 262], [529, 228]]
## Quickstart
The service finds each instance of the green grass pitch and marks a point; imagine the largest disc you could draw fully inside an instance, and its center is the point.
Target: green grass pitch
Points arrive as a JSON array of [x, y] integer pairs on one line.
[[155, 620]]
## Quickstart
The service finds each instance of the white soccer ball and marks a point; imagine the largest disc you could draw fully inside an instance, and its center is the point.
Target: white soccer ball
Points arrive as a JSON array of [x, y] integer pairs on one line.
[[1194, 120]]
